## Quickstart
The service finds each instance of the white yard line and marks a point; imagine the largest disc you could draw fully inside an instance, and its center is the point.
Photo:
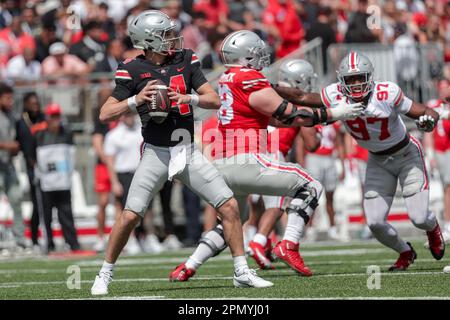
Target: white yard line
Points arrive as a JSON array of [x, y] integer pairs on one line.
[[392, 274]]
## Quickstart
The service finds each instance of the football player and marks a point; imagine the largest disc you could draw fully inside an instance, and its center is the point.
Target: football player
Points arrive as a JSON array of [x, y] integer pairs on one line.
[[292, 73], [394, 155], [437, 146], [164, 155], [248, 105]]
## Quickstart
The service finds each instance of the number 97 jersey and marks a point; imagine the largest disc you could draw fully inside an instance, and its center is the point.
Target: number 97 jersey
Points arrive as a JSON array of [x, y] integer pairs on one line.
[[381, 126]]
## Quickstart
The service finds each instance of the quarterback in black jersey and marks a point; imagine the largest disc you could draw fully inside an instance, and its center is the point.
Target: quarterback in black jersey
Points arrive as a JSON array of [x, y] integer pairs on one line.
[[180, 71], [163, 158]]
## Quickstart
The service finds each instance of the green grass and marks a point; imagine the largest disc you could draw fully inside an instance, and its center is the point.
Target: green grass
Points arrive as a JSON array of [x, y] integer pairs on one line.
[[339, 272]]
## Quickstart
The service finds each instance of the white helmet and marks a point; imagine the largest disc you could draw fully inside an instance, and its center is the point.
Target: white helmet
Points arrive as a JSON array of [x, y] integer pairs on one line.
[[244, 48], [153, 30], [356, 64], [297, 73]]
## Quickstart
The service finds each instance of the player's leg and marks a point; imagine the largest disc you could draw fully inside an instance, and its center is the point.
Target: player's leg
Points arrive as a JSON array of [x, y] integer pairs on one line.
[[14, 194], [443, 162], [210, 245], [102, 189], [255, 212], [147, 180], [260, 248], [205, 180], [414, 180], [258, 173], [330, 185], [379, 192]]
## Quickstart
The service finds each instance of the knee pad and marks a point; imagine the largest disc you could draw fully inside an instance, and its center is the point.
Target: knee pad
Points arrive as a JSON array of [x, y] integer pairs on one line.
[[306, 200], [213, 239]]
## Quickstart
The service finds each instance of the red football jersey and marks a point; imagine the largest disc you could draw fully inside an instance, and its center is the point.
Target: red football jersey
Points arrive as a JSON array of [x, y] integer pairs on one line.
[[242, 128], [441, 133], [282, 139]]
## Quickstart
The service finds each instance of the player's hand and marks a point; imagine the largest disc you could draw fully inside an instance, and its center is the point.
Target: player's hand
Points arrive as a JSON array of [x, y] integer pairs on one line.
[[178, 97], [146, 94], [425, 123], [346, 111]]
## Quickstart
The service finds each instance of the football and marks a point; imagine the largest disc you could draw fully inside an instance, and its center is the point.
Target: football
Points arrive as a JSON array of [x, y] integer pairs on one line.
[[159, 107]]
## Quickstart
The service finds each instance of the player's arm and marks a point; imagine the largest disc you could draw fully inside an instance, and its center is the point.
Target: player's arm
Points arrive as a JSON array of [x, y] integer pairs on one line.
[[426, 117], [268, 102], [113, 108], [206, 97], [311, 138], [109, 160], [299, 97]]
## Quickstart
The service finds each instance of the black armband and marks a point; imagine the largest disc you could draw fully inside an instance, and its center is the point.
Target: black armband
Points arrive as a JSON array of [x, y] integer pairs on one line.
[[323, 114], [279, 113], [316, 115]]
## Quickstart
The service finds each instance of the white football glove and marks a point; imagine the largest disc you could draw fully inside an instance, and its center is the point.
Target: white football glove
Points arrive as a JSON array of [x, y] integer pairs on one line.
[[346, 111], [425, 123]]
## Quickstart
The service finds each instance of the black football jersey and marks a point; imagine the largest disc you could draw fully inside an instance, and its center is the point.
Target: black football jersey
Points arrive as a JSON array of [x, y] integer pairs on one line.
[[182, 73]]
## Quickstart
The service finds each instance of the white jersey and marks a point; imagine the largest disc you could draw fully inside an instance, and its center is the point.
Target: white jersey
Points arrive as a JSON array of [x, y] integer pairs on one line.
[[381, 127]]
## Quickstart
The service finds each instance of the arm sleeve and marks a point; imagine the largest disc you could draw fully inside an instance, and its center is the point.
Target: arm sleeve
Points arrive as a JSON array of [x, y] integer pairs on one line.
[[124, 84], [197, 77]]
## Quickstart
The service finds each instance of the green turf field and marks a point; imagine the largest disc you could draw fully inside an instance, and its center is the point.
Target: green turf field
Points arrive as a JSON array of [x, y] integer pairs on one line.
[[340, 272]]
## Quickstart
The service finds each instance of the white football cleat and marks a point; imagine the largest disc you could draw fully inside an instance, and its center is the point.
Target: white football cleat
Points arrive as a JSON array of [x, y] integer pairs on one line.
[[446, 269], [172, 243], [100, 245], [132, 247], [101, 283], [152, 244], [249, 279]]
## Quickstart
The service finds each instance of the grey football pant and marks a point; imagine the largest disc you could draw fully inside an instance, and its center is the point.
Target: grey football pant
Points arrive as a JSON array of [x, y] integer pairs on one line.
[[199, 175], [261, 174], [406, 166]]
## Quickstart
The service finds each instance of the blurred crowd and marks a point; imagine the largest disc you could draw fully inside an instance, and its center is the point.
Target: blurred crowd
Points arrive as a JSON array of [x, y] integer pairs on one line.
[[70, 38], [76, 41]]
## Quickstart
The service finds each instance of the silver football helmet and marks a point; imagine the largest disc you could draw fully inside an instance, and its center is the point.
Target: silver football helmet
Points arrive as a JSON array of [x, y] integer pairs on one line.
[[153, 30], [355, 75], [244, 48], [297, 73]]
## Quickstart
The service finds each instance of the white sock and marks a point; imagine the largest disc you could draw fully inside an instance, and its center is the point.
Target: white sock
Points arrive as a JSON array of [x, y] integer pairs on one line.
[[240, 263], [200, 255], [250, 231], [294, 228], [107, 267], [261, 239]]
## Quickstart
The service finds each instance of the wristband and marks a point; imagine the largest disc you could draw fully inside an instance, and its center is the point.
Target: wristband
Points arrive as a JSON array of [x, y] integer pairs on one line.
[[132, 104], [195, 100]]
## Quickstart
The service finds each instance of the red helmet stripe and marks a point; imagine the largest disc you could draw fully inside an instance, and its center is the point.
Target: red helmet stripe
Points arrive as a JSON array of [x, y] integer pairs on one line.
[[352, 61]]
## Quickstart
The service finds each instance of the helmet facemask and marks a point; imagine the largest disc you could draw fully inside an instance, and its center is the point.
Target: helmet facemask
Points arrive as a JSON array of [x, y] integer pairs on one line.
[[166, 41], [258, 59], [357, 86]]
